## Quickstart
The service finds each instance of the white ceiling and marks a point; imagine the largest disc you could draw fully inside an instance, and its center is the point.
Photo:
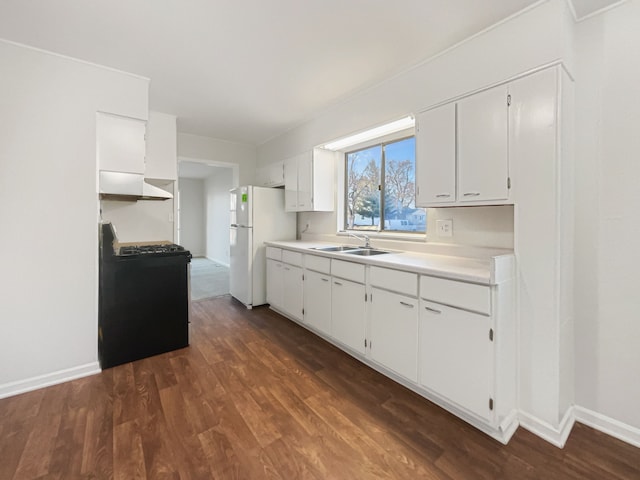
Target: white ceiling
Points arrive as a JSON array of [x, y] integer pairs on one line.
[[249, 70]]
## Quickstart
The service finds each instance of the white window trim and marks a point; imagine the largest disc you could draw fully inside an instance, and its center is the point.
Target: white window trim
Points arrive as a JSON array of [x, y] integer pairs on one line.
[[388, 235]]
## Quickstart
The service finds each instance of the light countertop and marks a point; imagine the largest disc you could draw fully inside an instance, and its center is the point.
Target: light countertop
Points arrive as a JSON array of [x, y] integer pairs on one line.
[[486, 270]]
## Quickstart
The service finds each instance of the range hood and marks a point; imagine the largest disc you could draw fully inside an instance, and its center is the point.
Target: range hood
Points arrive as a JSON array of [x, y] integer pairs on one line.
[[129, 187]]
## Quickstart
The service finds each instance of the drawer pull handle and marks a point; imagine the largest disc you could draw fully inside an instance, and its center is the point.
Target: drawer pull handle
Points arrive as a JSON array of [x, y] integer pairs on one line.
[[443, 195], [324, 279], [472, 194], [406, 304], [337, 283], [433, 310]]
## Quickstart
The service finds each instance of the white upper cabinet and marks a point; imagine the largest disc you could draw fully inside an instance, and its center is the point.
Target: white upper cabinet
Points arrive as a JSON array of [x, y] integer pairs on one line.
[[120, 143], [462, 152], [483, 134], [161, 159], [436, 151], [309, 181], [271, 175], [291, 184], [305, 182]]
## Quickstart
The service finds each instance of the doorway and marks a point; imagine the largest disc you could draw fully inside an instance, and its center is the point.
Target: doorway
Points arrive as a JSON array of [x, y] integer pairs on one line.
[[202, 213]]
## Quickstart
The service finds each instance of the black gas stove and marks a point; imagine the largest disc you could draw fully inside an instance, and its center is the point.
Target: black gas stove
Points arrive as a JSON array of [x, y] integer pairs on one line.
[[143, 299], [162, 249]]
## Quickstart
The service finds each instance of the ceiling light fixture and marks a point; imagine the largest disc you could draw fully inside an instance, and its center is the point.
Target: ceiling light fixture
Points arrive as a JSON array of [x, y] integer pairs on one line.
[[376, 132]]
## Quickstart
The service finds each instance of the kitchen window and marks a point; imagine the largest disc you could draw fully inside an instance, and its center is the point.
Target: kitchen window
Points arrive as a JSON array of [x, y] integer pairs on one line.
[[380, 184]]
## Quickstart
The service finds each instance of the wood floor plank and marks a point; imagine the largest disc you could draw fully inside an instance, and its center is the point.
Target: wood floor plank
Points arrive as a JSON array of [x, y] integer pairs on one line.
[[128, 456], [36, 456], [256, 396]]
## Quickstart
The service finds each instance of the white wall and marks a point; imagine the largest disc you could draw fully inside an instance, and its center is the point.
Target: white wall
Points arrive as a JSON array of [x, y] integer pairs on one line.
[[192, 216], [531, 39], [215, 151], [217, 188], [608, 214], [49, 210]]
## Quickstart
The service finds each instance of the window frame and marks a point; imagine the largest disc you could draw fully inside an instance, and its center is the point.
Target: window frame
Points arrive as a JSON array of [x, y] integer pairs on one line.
[[382, 142]]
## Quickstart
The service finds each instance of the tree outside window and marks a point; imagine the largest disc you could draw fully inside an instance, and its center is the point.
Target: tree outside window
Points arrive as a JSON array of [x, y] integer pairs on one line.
[[380, 189]]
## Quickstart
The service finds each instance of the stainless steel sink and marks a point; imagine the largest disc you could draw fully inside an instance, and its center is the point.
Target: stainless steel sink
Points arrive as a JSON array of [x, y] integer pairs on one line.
[[339, 248], [366, 252]]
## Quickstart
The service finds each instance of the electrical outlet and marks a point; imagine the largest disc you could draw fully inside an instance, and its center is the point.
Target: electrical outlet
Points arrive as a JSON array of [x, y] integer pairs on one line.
[[444, 228]]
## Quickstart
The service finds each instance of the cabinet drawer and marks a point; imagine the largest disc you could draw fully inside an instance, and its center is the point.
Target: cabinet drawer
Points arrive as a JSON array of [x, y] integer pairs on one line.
[[394, 280], [318, 264], [274, 253], [468, 296], [292, 258], [347, 270]]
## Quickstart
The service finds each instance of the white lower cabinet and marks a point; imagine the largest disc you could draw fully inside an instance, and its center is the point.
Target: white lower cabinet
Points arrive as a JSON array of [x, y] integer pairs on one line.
[[317, 301], [292, 296], [393, 336], [284, 281], [449, 340], [274, 283], [456, 352], [348, 313]]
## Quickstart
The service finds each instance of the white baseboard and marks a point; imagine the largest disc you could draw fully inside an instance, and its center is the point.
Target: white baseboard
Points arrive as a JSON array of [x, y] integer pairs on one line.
[[219, 262], [41, 381], [608, 425], [556, 436]]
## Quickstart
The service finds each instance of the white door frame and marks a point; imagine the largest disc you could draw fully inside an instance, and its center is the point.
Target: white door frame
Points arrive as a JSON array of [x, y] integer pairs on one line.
[[235, 168]]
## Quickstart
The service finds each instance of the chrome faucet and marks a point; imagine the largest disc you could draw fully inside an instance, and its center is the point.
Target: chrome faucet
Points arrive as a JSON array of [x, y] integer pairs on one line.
[[367, 240]]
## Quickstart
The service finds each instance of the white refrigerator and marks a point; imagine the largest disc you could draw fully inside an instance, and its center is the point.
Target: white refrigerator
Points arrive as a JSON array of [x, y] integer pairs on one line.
[[257, 216]]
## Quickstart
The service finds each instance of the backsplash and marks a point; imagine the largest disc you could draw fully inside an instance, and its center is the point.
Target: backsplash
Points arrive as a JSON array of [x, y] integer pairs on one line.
[[145, 220], [472, 226], [478, 226]]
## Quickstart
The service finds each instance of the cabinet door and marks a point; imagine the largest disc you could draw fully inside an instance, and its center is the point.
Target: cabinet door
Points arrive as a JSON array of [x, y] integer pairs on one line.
[[436, 156], [274, 283], [323, 188], [348, 313], [317, 301], [276, 174], [292, 296], [121, 143], [262, 176], [394, 332], [482, 146], [456, 356], [291, 184], [305, 182]]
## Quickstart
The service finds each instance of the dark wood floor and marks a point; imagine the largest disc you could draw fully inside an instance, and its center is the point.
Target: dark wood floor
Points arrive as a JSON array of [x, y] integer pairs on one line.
[[256, 396]]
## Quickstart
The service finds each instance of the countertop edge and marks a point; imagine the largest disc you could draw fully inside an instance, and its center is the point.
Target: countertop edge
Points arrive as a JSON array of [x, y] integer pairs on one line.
[[489, 271]]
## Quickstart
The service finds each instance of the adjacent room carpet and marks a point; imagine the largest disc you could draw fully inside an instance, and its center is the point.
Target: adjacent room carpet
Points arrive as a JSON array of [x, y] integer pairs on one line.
[[208, 279]]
